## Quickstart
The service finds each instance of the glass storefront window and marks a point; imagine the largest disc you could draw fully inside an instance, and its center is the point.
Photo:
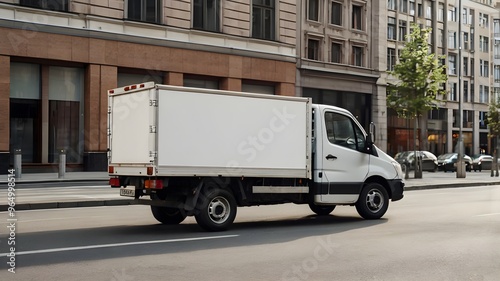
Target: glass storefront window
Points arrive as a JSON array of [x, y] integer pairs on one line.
[[25, 121], [66, 86]]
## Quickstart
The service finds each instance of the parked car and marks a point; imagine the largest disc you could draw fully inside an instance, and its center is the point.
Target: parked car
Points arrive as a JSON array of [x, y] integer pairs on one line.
[[448, 162], [429, 160], [482, 162]]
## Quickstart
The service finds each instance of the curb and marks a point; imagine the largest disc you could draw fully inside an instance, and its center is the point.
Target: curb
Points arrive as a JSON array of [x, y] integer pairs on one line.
[[449, 185], [72, 204]]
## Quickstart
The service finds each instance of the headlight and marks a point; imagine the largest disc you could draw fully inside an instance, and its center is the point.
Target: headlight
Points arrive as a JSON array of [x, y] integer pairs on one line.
[[398, 169]]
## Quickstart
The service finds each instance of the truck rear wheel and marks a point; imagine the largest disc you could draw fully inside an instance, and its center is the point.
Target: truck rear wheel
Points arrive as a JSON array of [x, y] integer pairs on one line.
[[216, 210], [373, 201], [321, 210], [168, 215]]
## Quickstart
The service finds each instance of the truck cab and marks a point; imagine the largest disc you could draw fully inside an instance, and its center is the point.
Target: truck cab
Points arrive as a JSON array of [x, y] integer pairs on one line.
[[346, 161]]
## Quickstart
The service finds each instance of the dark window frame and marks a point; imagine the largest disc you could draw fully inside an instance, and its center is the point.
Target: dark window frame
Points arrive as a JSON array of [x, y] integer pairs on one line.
[[262, 27], [141, 10], [52, 5], [206, 15]]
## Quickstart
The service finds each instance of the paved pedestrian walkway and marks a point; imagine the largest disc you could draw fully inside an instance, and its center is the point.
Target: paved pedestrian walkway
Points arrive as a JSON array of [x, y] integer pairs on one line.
[[39, 193]]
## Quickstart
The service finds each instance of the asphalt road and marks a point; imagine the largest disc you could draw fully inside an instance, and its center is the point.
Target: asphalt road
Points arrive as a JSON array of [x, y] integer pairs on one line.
[[440, 234]]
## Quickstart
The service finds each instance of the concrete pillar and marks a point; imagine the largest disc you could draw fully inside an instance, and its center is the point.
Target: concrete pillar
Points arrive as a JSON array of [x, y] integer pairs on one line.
[[285, 89], [174, 79], [231, 84]]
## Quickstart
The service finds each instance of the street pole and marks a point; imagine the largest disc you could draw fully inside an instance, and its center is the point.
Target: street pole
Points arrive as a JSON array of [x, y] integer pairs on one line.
[[460, 143]]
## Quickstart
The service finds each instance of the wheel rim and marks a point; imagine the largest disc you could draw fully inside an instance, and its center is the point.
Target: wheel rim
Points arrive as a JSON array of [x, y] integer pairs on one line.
[[374, 200], [219, 210]]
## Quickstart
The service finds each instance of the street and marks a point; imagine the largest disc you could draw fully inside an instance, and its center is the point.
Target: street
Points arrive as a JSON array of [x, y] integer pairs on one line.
[[439, 234]]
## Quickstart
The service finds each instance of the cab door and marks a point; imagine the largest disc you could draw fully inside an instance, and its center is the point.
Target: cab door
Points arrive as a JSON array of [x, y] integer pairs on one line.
[[344, 162]]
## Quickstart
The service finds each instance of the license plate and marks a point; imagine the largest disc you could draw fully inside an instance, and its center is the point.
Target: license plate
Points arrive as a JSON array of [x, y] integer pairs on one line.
[[127, 192]]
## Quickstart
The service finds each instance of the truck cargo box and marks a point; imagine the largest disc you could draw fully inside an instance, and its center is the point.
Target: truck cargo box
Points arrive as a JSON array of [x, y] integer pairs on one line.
[[182, 131]]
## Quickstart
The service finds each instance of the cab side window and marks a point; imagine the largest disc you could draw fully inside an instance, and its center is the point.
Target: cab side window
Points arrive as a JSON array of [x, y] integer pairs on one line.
[[342, 131]]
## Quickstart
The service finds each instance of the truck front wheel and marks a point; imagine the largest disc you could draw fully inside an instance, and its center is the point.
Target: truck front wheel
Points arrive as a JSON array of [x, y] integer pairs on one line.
[[321, 210], [168, 215], [216, 210], [373, 201]]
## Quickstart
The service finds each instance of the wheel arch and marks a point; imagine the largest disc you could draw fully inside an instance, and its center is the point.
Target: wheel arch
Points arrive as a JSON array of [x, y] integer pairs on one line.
[[383, 182]]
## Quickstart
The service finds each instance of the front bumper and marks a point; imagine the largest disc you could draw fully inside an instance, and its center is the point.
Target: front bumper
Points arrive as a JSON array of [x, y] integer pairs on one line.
[[397, 189]]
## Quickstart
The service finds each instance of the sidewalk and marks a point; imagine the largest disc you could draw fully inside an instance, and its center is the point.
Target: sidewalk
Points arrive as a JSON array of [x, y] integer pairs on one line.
[[97, 193]]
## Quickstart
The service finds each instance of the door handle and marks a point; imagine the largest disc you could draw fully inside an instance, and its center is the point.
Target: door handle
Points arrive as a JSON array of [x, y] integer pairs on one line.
[[331, 157]]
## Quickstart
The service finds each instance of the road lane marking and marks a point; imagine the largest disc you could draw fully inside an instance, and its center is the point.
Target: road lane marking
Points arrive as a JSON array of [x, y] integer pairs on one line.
[[491, 214], [117, 245]]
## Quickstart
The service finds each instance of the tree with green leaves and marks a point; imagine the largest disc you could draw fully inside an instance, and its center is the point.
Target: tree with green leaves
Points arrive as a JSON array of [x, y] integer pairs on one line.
[[494, 127], [419, 76]]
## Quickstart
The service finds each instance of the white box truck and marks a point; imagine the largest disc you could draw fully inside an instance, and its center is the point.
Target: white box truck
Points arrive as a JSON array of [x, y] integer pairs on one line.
[[203, 153]]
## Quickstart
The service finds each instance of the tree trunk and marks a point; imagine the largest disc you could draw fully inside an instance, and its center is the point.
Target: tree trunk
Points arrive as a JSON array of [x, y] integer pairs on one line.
[[424, 143]]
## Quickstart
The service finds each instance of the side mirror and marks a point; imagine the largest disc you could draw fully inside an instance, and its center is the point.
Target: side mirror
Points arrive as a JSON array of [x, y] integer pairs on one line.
[[371, 134]]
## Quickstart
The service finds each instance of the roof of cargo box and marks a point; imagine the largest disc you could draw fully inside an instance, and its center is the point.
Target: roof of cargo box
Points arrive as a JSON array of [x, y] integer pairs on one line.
[[150, 85]]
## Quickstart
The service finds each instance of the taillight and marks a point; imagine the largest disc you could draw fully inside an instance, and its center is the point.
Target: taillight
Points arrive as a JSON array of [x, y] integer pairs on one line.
[[111, 170], [153, 184], [114, 182], [149, 171]]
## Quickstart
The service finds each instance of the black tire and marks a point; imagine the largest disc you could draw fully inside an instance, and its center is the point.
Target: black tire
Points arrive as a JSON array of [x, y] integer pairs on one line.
[[321, 210], [216, 210], [373, 201], [168, 215]]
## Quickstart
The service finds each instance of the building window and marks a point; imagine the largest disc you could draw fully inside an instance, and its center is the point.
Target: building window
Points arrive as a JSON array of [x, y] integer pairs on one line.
[[206, 15], [452, 14], [483, 93], [420, 10], [453, 91], [391, 4], [144, 10], [25, 109], [466, 66], [357, 17], [260, 87], [466, 91], [472, 67], [497, 73], [391, 28], [466, 40], [402, 30], [391, 58], [313, 10], [412, 8], [428, 9], [403, 6], [336, 52], [452, 64], [52, 5], [472, 91], [357, 56], [336, 13], [464, 16], [483, 120], [263, 19], [205, 82], [313, 49], [483, 20], [483, 68], [484, 43], [496, 49], [441, 12], [441, 38], [496, 27], [452, 39]]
